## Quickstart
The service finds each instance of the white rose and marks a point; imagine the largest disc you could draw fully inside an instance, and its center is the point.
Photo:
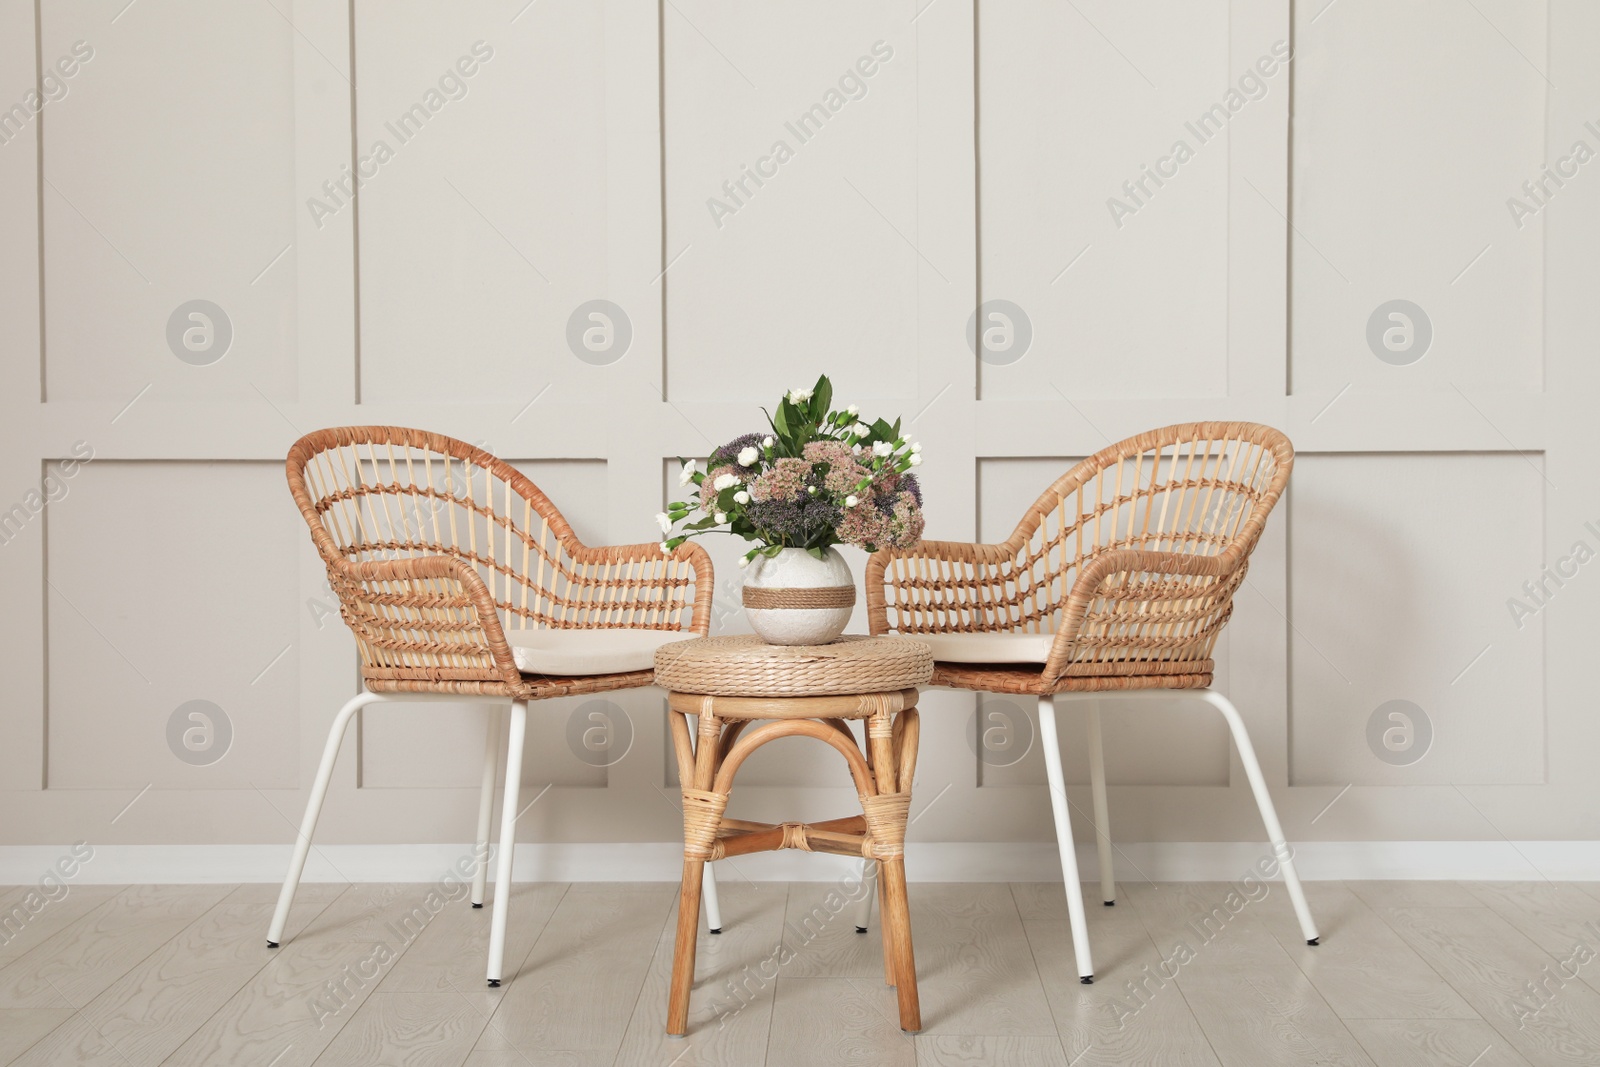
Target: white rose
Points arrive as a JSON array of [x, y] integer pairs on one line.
[[744, 561], [748, 456], [882, 448], [916, 459], [766, 442], [799, 396], [741, 497], [916, 447], [686, 475], [664, 520], [725, 480], [811, 489], [721, 517], [666, 548], [852, 410], [850, 501], [861, 429]]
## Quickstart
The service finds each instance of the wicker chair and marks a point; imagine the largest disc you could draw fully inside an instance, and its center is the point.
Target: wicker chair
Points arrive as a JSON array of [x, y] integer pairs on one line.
[[1115, 584], [461, 581]]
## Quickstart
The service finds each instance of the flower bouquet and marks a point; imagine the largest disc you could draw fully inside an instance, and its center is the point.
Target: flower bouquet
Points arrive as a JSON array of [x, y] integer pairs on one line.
[[820, 478]]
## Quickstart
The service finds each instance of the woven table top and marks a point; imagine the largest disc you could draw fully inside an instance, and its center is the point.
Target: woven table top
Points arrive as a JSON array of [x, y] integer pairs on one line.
[[745, 665]]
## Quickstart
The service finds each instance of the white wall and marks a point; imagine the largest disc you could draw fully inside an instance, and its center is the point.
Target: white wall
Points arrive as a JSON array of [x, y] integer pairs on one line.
[[976, 163]]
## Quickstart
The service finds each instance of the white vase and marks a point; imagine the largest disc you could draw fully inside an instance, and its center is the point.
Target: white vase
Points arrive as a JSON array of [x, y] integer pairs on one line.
[[794, 598]]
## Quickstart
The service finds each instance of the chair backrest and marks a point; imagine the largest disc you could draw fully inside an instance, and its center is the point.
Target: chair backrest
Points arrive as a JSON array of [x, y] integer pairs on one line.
[[1138, 548], [374, 494]]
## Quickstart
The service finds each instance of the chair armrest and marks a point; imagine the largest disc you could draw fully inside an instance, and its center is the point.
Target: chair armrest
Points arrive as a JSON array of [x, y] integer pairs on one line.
[[938, 598], [1138, 605], [638, 585], [429, 613]]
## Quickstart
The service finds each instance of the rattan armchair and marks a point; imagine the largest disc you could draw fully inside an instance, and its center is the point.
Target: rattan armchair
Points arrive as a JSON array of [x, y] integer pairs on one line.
[[1115, 584], [459, 580]]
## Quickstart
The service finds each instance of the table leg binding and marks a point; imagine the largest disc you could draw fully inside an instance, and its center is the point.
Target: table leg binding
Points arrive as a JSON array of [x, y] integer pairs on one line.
[[886, 825], [702, 816]]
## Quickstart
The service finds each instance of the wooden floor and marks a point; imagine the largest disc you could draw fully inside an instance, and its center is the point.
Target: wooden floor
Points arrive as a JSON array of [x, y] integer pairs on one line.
[[1409, 973]]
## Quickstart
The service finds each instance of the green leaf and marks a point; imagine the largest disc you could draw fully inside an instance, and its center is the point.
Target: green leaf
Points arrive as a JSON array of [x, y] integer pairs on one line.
[[883, 431], [771, 551], [817, 552], [821, 398], [780, 422]]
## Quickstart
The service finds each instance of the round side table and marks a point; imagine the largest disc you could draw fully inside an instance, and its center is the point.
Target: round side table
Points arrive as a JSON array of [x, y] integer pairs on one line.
[[727, 683]]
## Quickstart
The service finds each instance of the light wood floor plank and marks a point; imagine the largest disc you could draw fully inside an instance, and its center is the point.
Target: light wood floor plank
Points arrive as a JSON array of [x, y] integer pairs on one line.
[[819, 928], [73, 1044], [1559, 917], [413, 1029], [1252, 1001], [1127, 1016], [1362, 968], [508, 1058], [975, 971], [1408, 1042], [577, 989], [451, 953], [290, 1010], [153, 1008], [837, 1022], [29, 921], [1495, 969], [947, 1051], [20, 1028], [1392, 894], [76, 965], [730, 1006]]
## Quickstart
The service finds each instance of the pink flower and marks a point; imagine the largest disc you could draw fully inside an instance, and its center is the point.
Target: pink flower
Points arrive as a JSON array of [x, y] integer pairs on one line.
[[786, 480]]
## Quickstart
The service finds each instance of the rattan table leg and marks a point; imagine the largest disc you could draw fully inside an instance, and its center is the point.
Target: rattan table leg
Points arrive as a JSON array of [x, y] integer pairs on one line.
[[886, 821], [897, 921], [701, 812]]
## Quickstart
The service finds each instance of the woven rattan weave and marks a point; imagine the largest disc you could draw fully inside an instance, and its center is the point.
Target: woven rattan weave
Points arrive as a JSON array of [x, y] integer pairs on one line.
[[1131, 559], [744, 665], [435, 548]]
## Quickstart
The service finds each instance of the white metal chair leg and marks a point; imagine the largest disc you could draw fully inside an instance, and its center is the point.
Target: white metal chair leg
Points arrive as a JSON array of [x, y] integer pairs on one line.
[[308, 825], [491, 766], [1069, 859], [708, 900], [1102, 818], [1269, 815], [508, 839], [869, 879]]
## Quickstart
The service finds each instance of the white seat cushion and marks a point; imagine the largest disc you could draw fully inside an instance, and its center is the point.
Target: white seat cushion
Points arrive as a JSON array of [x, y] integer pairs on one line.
[[579, 652], [988, 648]]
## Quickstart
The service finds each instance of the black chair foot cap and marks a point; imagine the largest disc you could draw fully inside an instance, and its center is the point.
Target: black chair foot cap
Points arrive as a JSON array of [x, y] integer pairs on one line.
[[718, 930], [272, 944], [494, 983], [1315, 941], [477, 905], [1087, 979], [1111, 903], [861, 929]]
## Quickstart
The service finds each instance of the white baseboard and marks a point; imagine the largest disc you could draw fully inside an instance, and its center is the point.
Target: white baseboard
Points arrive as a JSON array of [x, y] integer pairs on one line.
[[925, 862]]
